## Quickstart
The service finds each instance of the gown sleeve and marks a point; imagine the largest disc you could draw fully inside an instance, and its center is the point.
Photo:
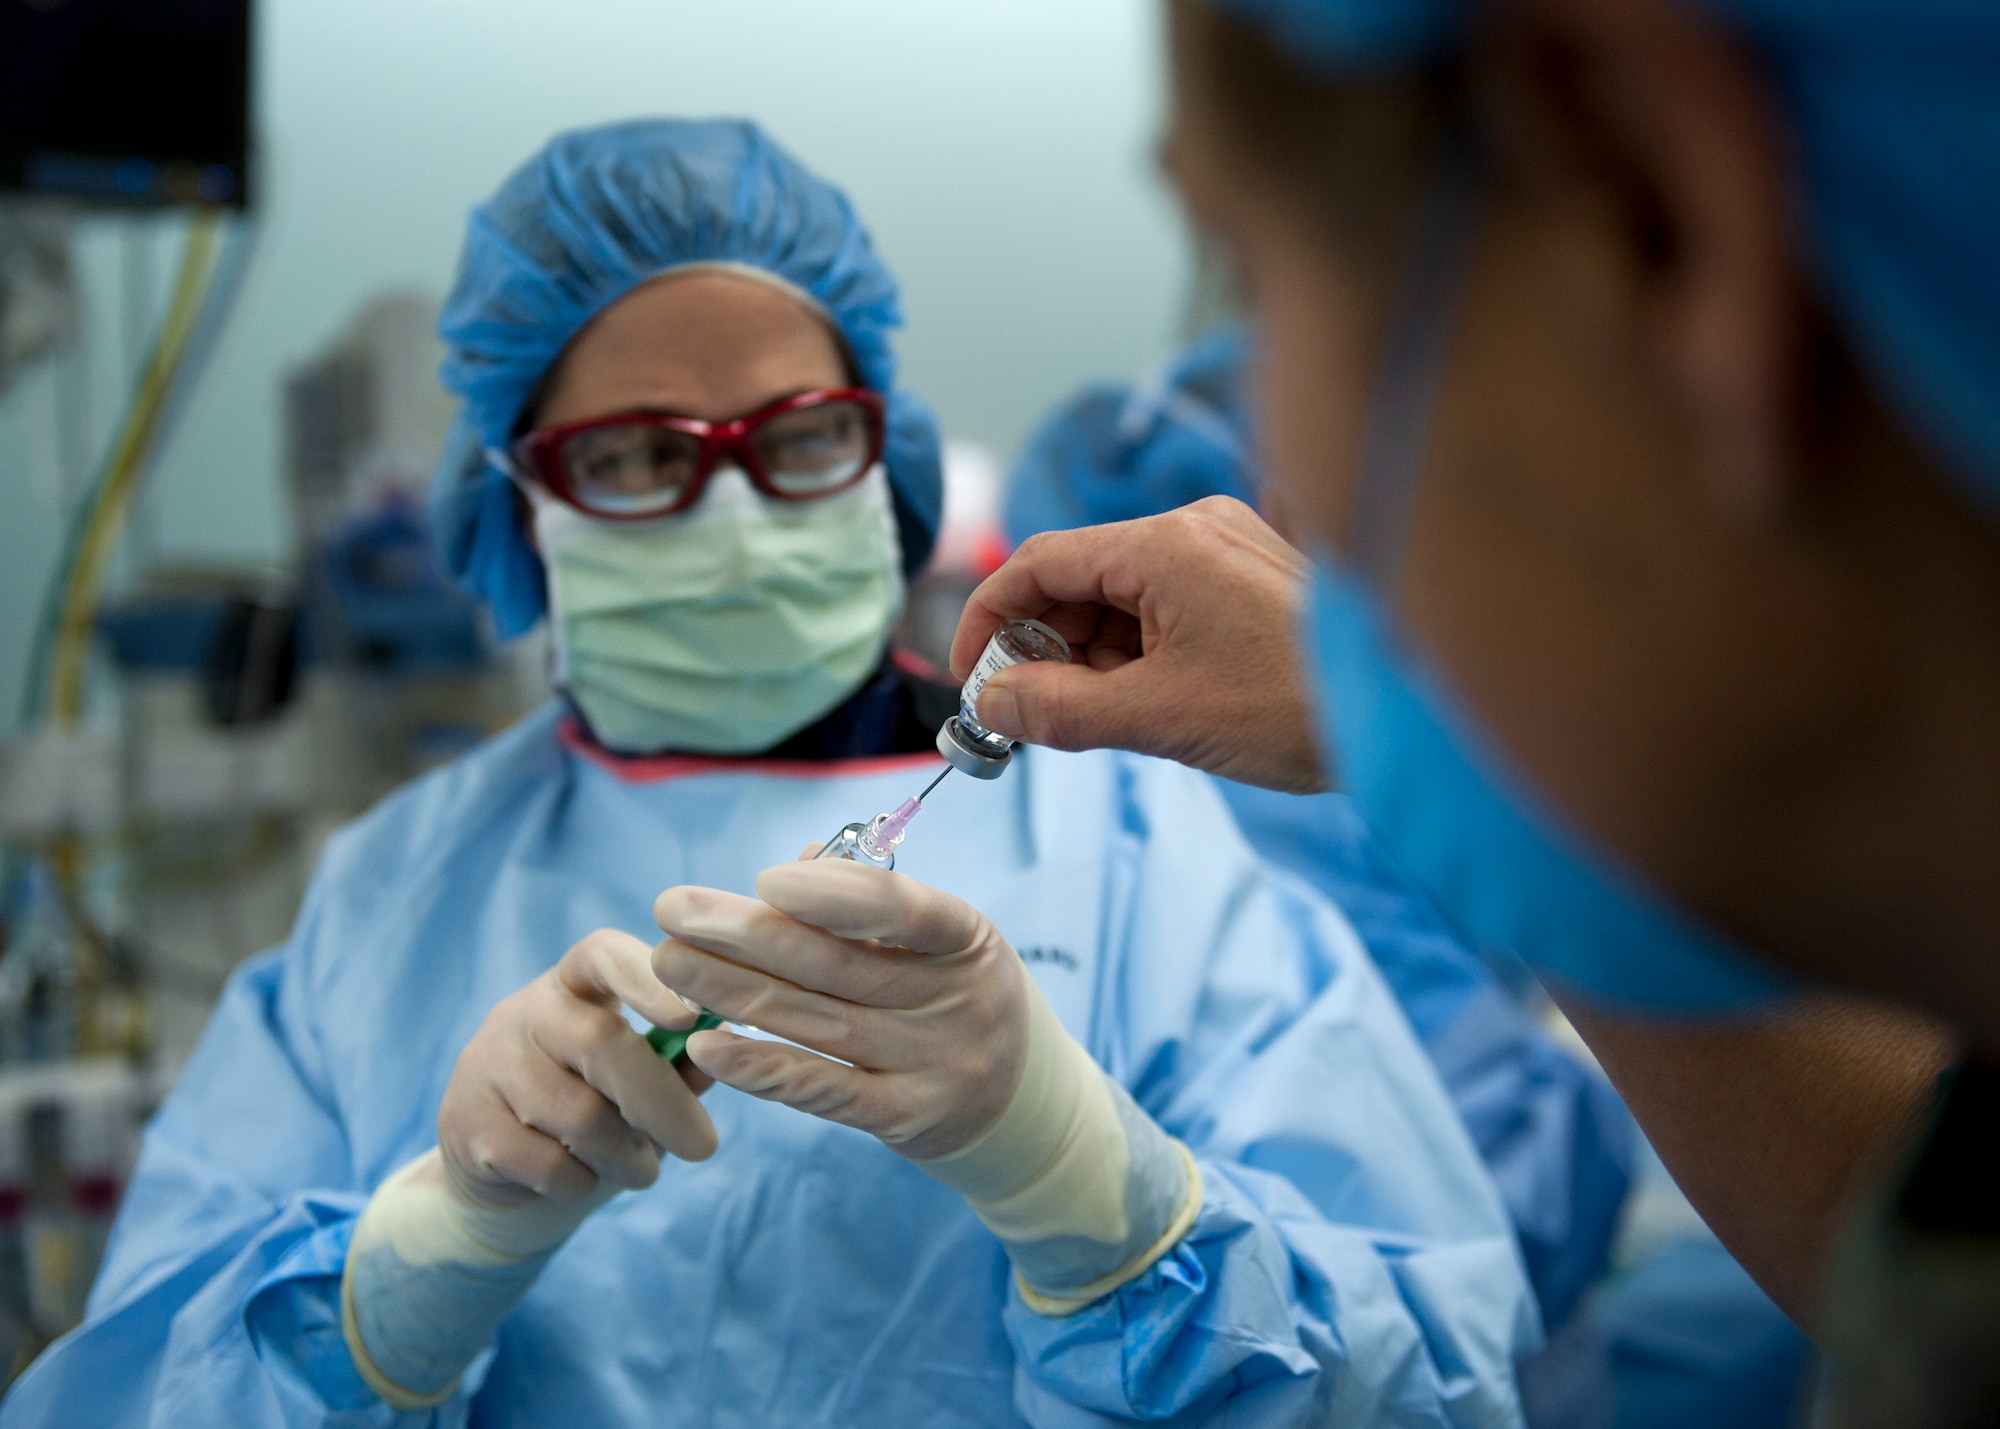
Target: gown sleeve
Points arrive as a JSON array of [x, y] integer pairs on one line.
[[219, 1298], [1352, 1263], [1553, 1134]]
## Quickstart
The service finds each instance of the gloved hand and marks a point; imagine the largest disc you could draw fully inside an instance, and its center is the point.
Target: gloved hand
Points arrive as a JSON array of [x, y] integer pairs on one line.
[[954, 1059], [555, 1106]]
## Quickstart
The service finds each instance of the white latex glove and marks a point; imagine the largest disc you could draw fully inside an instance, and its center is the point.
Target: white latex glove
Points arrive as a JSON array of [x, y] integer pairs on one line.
[[952, 1057], [555, 1106]]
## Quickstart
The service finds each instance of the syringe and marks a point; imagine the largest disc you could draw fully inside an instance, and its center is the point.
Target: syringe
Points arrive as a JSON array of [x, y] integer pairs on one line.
[[875, 841], [965, 744]]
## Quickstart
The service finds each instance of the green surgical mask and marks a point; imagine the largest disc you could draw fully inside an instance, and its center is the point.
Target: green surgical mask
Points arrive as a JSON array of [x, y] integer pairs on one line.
[[727, 628]]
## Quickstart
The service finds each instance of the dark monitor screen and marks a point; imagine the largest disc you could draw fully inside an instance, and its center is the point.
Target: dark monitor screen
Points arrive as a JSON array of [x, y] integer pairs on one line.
[[126, 101]]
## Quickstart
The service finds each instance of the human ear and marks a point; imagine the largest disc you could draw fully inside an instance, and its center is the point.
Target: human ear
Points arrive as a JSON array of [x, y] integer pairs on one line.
[[1651, 120]]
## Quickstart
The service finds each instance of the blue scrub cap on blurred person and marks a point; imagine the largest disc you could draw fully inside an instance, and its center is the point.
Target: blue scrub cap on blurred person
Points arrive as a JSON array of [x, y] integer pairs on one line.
[[594, 215], [1114, 453], [1895, 109]]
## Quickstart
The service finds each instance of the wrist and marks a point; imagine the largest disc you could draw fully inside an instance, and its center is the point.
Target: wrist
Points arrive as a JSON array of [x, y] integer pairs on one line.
[[431, 1272], [427, 1216], [1085, 1190]]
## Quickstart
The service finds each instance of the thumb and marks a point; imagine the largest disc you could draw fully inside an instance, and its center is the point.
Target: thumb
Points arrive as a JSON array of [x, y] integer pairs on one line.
[[1064, 706]]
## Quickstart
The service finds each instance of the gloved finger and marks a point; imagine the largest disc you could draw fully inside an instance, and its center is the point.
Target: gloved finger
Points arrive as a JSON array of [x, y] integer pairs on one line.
[[613, 964], [802, 1080], [752, 998], [550, 1098], [756, 935], [600, 1046], [853, 901], [497, 1149]]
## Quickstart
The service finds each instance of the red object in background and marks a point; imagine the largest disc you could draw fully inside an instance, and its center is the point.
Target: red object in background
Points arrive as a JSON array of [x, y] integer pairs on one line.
[[971, 540], [95, 1195], [989, 552]]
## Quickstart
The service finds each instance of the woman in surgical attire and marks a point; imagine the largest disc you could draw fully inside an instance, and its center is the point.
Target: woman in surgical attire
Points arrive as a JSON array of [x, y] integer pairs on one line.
[[1011, 1135]]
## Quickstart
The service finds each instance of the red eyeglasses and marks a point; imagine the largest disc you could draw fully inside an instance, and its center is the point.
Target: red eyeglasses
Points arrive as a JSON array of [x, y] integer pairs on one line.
[[638, 465]]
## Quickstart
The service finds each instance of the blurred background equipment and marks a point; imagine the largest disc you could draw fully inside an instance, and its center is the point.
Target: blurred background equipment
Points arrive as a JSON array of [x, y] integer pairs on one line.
[[971, 545], [69, 1134], [129, 114], [407, 673], [126, 101], [189, 733], [37, 286]]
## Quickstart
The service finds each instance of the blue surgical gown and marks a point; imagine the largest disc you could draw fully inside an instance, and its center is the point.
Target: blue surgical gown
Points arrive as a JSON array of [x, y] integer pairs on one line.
[[1351, 1263], [1554, 1135]]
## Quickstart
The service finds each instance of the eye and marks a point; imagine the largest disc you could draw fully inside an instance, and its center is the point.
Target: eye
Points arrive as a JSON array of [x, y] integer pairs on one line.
[[817, 448], [627, 468]]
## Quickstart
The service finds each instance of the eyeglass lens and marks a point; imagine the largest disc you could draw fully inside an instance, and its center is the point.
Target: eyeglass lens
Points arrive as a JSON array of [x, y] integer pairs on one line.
[[634, 468], [810, 451], [625, 469]]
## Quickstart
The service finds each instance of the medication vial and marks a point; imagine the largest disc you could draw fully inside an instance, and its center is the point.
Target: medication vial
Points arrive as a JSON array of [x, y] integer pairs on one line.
[[969, 745]]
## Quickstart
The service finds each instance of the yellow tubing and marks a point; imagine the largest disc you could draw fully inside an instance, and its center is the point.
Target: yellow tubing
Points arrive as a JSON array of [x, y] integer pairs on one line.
[[128, 461]]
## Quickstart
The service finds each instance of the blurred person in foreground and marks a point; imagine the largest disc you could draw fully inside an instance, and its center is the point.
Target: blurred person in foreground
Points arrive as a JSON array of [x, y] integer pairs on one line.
[[1674, 1331], [1630, 370], [424, 1168]]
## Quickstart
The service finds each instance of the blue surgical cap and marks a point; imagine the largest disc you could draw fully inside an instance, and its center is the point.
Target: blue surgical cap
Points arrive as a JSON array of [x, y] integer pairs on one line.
[[594, 215], [1894, 107], [1116, 452]]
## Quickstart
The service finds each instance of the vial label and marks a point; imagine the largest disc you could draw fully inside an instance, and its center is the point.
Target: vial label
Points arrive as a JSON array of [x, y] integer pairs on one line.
[[1016, 642], [992, 660]]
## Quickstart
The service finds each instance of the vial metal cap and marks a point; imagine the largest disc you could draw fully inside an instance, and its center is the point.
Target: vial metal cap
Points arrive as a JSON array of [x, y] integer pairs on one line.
[[964, 755]]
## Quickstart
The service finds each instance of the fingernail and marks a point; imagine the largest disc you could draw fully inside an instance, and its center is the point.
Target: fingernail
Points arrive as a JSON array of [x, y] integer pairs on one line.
[[999, 711], [690, 1004]]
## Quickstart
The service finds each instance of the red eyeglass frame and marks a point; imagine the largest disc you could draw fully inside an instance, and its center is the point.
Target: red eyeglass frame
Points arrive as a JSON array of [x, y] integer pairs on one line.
[[539, 453]]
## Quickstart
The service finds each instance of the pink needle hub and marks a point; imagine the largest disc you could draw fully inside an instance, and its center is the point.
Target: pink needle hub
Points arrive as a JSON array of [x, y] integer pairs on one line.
[[885, 831]]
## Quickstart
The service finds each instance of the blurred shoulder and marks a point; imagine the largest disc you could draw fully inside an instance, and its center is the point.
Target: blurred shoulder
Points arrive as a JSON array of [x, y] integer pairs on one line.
[[1113, 794], [1186, 855], [435, 813]]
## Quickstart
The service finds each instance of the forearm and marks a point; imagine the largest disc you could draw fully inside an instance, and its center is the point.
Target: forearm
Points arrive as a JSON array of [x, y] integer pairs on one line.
[[1270, 1308], [428, 1280], [1083, 1188], [1769, 1127], [1148, 1283]]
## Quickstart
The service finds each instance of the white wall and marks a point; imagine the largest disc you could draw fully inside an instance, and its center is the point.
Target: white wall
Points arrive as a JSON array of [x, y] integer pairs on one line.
[[1000, 150]]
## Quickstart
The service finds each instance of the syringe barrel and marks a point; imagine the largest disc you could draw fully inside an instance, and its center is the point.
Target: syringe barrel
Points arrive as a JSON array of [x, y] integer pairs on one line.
[[1016, 642]]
